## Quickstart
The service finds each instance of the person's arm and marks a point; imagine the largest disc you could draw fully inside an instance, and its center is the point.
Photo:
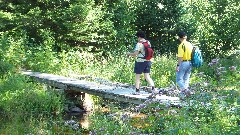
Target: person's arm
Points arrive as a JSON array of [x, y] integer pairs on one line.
[[178, 64], [134, 54], [136, 51], [180, 56], [179, 61]]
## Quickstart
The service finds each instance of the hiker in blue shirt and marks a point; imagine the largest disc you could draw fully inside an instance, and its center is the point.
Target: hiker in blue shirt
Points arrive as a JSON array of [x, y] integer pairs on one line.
[[142, 65]]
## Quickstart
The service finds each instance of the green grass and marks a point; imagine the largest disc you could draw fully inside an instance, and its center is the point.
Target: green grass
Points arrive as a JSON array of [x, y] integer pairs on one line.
[[216, 110]]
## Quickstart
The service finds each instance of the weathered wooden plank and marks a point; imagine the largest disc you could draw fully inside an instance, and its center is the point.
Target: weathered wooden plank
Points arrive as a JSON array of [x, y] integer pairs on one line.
[[118, 92]]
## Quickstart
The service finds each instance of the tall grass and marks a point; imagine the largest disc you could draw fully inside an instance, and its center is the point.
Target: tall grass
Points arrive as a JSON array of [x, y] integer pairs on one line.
[[216, 110], [23, 102]]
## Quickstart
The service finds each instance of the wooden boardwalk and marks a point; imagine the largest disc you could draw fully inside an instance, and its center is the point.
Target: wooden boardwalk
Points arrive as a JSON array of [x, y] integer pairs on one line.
[[116, 92]]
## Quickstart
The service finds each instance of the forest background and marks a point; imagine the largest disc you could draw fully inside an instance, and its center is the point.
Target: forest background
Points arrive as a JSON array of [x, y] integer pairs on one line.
[[109, 26]]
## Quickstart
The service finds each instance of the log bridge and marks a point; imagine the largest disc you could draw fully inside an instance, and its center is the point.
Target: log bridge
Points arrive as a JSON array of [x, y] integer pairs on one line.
[[116, 92]]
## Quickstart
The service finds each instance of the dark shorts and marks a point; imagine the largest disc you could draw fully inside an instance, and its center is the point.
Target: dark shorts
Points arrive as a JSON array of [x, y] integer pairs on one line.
[[142, 67]]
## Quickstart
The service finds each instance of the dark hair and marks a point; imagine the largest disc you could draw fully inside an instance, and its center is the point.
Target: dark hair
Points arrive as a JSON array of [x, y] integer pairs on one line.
[[140, 34], [182, 34]]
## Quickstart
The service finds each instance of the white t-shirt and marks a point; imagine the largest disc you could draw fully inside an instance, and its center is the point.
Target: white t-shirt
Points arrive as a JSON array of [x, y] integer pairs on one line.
[[140, 48]]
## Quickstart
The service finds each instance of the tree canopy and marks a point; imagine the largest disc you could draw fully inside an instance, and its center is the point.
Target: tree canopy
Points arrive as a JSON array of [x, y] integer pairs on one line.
[[108, 25]]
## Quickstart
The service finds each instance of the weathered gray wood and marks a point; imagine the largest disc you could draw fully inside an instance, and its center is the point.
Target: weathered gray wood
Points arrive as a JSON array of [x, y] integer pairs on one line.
[[116, 92]]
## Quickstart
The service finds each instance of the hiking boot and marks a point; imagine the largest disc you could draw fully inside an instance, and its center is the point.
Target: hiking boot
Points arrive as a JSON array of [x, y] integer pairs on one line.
[[154, 93], [187, 93], [182, 95], [137, 90]]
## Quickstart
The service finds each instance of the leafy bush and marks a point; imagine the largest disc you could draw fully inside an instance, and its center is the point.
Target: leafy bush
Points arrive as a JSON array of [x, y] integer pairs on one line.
[[21, 99], [5, 69], [12, 50]]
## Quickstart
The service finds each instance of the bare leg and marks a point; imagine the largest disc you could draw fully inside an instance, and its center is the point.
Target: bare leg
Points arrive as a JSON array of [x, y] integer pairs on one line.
[[149, 79], [137, 84]]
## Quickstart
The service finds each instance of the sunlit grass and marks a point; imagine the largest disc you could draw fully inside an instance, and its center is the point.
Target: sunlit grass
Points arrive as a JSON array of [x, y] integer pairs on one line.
[[215, 108]]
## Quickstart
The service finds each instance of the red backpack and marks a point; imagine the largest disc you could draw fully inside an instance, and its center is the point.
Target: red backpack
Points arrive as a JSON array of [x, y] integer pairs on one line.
[[148, 50]]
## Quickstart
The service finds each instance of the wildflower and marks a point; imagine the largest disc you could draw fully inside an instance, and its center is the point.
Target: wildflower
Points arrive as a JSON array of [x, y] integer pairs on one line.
[[112, 115], [208, 104], [141, 106], [102, 129], [93, 132], [157, 114], [218, 73], [124, 117], [196, 119], [75, 126], [221, 68], [133, 133], [232, 109], [232, 68], [69, 122], [213, 62], [200, 74], [172, 112], [206, 83], [147, 102], [210, 64]]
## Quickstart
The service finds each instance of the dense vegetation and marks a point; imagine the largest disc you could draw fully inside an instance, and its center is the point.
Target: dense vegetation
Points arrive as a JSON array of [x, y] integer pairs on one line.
[[107, 24], [90, 37]]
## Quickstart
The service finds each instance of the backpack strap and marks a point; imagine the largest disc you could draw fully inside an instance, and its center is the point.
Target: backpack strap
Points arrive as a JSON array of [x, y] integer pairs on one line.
[[143, 46], [183, 47]]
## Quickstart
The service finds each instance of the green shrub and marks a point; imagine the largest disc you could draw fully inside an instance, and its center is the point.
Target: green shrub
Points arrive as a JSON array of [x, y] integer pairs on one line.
[[5, 69], [22, 99]]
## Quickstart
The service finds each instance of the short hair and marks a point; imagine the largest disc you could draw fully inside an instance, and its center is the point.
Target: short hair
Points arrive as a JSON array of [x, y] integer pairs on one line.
[[140, 34], [182, 34]]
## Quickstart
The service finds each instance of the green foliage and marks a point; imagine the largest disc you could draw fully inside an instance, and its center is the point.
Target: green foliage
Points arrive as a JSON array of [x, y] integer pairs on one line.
[[159, 19], [219, 73], [5, 69], [110, 26], [204, 113], [37, 56], [113, 125], [163, 71], [20, 98], [12, 49], [213, 24], [75, 23], [29, 108], [121, 13], [207, 111]]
